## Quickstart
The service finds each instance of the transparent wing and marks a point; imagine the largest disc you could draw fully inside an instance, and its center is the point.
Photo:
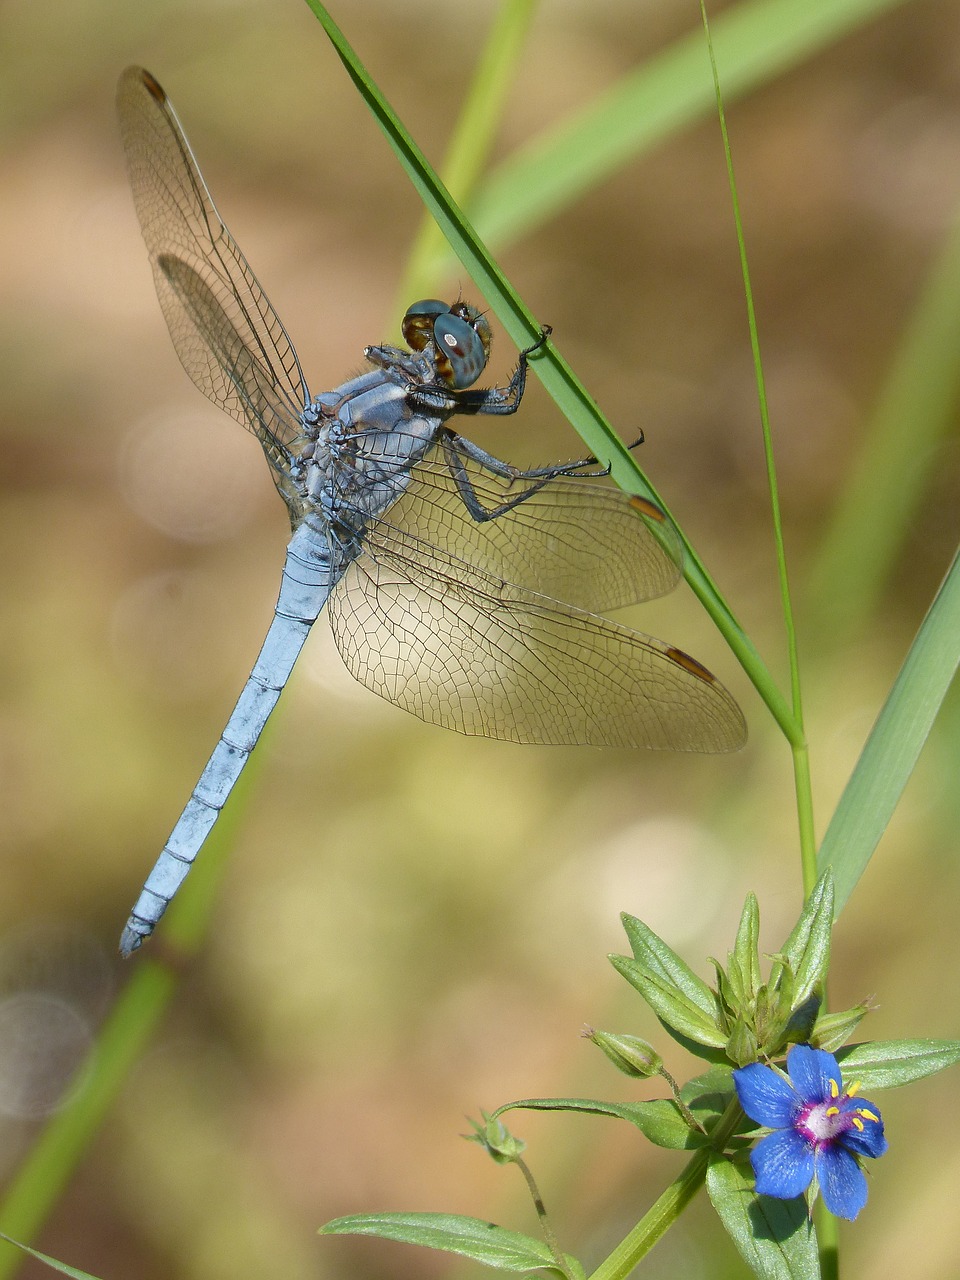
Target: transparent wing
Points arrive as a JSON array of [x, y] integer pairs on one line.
[[573, 540], [227, 335], [463, 649]]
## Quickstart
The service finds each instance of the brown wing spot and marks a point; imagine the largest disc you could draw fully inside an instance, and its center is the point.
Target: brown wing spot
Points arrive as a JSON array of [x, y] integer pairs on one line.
[[153, 87], [692, 665], [647, 509]]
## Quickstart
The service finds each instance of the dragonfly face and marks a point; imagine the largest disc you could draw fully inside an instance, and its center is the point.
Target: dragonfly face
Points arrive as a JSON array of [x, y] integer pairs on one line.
[[459, 587]]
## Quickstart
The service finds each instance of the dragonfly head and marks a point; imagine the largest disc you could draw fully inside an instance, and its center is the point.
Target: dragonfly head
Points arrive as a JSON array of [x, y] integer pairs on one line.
[[458, 336]]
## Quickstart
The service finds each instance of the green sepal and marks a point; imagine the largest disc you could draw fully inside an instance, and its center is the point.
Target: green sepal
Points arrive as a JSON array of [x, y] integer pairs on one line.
[[884, 1064], [496, 1139], [659, 1120], [629, 1054], [472, 1238], [775, 1238], [741, 1046]]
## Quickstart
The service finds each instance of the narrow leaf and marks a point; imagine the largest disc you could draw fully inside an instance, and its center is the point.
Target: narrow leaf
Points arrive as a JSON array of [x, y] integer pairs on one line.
[[775, 1238], [52, 1263], [660, 960], [807, 950], [678, 1014], [746, 949], [885, 1064], [754, 42], [895, 742], [659, 1120], [472, 1238]]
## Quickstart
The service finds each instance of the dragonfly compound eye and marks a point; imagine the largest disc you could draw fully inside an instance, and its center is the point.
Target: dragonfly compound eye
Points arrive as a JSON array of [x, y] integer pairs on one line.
[[460, 352], [417, 323]]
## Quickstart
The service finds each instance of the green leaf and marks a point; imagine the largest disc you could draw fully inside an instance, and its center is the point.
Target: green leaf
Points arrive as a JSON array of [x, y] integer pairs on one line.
[[832, 1030], [472, 1238], [52, 1263], [746, 949], [659, 1120], [807, 950], [895, 742], [708, 1096], [652, 953], [900, 447], [884, 1064], [775, 1237], [679, 1015]]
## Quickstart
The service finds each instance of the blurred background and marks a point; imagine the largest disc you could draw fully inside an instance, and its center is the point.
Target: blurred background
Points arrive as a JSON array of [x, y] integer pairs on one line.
[[415, 924]]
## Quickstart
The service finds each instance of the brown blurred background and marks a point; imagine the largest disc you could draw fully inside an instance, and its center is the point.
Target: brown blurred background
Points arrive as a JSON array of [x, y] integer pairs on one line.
[[414, 924]]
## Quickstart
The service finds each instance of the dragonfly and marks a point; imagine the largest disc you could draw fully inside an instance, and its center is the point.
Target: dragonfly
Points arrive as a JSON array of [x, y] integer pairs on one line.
[[457, 586]]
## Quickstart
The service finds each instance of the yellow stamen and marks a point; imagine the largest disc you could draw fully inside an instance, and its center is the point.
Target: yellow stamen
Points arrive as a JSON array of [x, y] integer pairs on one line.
[[834, 1089], [867, 1114], [857, 1123], [832, 1111], [853, 1089]]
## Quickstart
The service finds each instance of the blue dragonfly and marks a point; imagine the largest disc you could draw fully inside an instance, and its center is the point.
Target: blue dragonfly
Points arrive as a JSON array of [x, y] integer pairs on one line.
[[457, 586]]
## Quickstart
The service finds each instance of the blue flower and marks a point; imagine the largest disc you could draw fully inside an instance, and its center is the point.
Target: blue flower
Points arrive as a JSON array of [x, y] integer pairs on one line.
[[820, 1130]]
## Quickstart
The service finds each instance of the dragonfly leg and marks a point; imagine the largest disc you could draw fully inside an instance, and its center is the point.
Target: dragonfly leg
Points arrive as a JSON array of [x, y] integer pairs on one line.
[[456, 448]]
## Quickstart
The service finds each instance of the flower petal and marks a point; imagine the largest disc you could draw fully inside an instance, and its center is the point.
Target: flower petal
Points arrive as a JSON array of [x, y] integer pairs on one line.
[[869, 1141], [783, 1164], [842, 1182], [765, 1096], [811, 1071]]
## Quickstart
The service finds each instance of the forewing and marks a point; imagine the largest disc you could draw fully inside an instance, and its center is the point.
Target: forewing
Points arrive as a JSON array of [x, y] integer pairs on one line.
[[203, 281], [465, 650], [575, 540]]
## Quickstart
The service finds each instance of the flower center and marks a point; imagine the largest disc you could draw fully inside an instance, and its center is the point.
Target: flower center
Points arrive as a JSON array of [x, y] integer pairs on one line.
[[822, 1123]]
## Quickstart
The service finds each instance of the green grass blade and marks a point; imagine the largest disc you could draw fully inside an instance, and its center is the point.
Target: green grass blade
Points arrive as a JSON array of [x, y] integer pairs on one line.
[[753, 42], [571, 397], [916, 410], [471, 141], [154, 975], [895, 742], [52, 1263]]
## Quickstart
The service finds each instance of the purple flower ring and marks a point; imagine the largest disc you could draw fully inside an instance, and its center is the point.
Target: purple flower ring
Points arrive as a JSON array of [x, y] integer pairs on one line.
[[819, 1130]]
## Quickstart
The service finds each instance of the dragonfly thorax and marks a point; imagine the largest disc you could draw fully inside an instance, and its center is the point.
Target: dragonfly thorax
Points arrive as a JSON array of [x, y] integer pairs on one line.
[[364, 438]]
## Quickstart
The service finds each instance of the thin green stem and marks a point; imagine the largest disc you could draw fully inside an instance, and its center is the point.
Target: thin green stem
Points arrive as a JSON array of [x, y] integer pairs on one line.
[[808, 836], [828, 1240], [553, 1244], [670, 1204], [655, 1222], [685, 1111]]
